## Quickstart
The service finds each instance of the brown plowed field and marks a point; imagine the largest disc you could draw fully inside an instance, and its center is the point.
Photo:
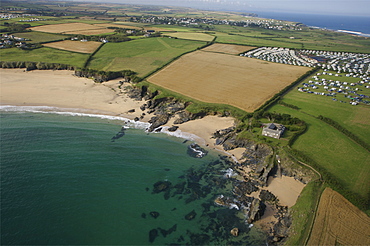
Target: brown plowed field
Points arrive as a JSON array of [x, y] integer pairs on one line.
[[245, 83], [228, 48], [338, 222], [76, 46], [66, 27], [117, 25], [72, 28], [91, 31]]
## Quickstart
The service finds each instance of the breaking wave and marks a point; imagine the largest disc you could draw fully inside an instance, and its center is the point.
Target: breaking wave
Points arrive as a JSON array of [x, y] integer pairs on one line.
[[70, 112]]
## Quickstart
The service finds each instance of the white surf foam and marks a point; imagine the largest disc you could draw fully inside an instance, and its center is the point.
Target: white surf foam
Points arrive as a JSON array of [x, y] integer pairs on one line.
[[71, 112], [184, 135]]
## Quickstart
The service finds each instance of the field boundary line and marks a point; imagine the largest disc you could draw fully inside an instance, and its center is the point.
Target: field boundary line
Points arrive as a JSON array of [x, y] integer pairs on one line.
[[315, 214]]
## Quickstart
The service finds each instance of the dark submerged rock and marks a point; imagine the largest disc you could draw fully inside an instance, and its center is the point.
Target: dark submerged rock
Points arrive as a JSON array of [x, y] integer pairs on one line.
[[199, 239], [120, 134], [153, 234], [191, 215], [161, 186], [154, 214], [169, 231]]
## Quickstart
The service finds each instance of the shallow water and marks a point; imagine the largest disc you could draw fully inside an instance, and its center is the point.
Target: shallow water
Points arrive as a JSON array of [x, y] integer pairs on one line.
[[65, 181]]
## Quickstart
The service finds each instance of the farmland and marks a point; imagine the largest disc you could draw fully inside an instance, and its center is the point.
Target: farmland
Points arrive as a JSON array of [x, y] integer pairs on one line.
[[142, 55], [72, 28], [217, 78], [228, 48], [75, 46], [48, 55], [105, 25], [305, 39], [338, 222], [328, 147], [354, 118], [191, 36], [333, 151], [226, 79], [39, 37]]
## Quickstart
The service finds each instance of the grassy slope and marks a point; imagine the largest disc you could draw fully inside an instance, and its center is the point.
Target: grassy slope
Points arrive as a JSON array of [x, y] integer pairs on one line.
[[191, 36], [45, 54], [333, 151], [303, 213], [40, 37], [142, 55], [354, 118]]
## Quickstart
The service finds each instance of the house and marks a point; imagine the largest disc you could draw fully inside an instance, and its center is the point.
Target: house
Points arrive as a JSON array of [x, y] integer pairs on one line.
[[273, 130]]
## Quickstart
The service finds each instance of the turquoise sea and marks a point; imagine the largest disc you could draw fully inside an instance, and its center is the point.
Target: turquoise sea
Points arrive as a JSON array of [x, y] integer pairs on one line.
[[65, 181]]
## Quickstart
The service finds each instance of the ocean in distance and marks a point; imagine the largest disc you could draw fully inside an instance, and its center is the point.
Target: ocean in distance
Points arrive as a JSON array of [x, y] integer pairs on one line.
[[65, 181], [332, 22]]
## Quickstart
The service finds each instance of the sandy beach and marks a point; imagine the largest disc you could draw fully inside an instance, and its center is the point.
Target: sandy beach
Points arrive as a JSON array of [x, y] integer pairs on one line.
[[69, 93]]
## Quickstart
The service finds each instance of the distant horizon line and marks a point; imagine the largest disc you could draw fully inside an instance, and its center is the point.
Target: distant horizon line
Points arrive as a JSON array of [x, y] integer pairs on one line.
[[220, 7]]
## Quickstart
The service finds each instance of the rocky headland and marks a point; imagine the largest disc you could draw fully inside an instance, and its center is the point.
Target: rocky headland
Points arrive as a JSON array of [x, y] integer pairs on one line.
[[249, 176]]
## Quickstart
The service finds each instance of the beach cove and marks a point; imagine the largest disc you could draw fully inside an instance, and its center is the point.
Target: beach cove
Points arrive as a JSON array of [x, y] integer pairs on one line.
[[59, 92]]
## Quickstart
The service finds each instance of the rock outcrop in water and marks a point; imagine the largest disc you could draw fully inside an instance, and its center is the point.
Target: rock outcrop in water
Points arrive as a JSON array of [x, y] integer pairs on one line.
[[191, 215], [153, 234], [194, 150]]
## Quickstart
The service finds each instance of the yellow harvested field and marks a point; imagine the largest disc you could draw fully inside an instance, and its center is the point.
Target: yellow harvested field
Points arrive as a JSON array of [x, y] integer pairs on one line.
[[76, 46], [66, 27], [91, 31], [191, 36], [339, 222], [117, 25], [245, 83], [158, 29], [228, 48]]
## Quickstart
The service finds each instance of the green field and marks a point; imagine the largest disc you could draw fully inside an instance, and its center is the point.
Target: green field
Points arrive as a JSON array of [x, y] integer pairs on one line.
[[330, 148], [354, 118], [304, 39], [175, 28], [142, 55], [40, 37], [237, 38], [191, 36], [47, 55]]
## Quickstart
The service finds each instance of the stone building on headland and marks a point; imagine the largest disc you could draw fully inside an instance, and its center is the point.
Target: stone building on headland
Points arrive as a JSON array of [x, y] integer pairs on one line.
[[273, 130]]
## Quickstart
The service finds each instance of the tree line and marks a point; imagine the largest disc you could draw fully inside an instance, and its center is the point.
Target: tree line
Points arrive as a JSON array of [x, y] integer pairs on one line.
[[35, 65]]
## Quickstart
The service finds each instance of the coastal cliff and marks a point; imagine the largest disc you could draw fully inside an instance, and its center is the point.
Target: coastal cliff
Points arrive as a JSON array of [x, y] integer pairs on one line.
[[250, 176]]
